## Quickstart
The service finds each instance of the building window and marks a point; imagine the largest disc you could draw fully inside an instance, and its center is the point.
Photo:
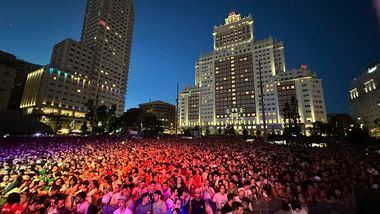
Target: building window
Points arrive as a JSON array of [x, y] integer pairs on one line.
[[369, 85], [354, 93]]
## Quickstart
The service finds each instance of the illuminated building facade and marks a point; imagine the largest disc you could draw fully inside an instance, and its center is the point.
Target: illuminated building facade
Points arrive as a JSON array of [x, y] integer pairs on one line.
[[100, 61], [306, 88], [364, 96], [228, 82], [58, 98]]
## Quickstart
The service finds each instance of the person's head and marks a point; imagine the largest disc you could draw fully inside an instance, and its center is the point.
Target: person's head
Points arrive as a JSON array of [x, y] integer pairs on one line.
[[126, 189], [13, 198], [267, 190], [114, 177], [241, 193], [222, 188], [80, 197], [179, 180], [73, 181], [157, 195], [296, 205], [60, 201], [5, 178], [58, 182], [23, 198], [145, 199], [197, 193], [122, 201], [94, 184], [206, 183], [176, 211], [237, 208], [185, 192], [231, 185], [165, 186], [174, 192], [247, 184], [230, 197], [245, 201], [177, 203]]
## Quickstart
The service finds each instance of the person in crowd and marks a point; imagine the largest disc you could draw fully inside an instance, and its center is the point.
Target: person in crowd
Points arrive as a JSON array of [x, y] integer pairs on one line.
[[198, 205], [81, 203], [170, 201], [227, 208], [177, 206], [237, 208], [13, 204], [145, 207], [159, 206], [297, 209], [122, 204], [220, 198]]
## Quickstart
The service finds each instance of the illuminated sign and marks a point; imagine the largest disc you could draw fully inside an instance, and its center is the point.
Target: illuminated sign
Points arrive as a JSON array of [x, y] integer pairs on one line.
[[370, 70], [103, 23]]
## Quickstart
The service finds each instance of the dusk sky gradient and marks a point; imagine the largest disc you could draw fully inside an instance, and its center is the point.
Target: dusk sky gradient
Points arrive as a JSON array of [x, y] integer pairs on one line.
[[338, 39]]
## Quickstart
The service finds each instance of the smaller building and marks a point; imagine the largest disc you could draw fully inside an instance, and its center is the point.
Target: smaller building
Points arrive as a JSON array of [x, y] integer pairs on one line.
[[306, 89], [13, 73], [8, 67], [165, 112], [364, 95]]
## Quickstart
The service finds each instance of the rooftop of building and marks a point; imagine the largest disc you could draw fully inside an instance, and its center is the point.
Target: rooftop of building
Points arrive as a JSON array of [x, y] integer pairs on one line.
[[156, 102], [300, 72], [371, 70], [232, 18]]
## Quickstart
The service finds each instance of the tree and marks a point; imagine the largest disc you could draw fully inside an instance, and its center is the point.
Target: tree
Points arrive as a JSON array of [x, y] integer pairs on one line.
[[84, 127], [229, 130], [220, 131], [151, 125], [291, 117], [90, 115], [258, 133], [358, 135], [245, 132], [105, 116], [207, 132], [187, 131], [137, 120], [340, 124], [131, 120]]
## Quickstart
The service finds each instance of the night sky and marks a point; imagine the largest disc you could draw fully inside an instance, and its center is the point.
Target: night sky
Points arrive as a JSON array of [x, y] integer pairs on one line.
[[338, 39]]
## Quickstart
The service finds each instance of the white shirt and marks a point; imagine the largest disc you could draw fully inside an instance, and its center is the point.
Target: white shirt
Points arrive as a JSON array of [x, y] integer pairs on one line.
[[126, 211], [220, 199]]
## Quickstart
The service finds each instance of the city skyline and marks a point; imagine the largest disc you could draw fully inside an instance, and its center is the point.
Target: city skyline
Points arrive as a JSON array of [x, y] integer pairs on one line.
[[171, 54]]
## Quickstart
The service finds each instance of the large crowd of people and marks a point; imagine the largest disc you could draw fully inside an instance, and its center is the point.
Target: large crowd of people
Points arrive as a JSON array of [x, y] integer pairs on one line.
[[103, 175]]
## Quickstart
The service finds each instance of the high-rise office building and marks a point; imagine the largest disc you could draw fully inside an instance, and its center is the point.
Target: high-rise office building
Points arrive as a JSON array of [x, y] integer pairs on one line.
[[364, 97], [13, 73], [99, 63], [232, 81], [7, 75]]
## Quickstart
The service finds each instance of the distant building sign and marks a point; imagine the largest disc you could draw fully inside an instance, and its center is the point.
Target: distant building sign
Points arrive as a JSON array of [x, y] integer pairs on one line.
[[372, 69]]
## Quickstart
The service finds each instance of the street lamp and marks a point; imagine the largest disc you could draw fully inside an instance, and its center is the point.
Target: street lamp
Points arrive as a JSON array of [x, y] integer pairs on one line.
[[262, 103]]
